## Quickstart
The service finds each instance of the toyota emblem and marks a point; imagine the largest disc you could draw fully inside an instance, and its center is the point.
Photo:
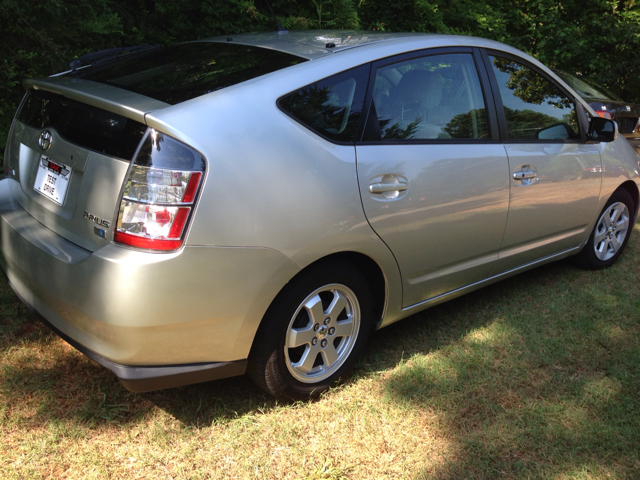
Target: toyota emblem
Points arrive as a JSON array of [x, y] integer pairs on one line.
[[45, 140]]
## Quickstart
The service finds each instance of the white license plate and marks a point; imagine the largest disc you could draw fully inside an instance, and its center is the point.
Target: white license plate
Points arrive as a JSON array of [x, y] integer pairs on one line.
[[52, 179]]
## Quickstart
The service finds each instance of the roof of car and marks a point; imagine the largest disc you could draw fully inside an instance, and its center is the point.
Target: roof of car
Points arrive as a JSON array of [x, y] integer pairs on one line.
[[311, 44]]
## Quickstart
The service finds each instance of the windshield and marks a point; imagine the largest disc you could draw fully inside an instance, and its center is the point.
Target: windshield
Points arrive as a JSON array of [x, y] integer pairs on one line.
[[587, 89], [185, 71]]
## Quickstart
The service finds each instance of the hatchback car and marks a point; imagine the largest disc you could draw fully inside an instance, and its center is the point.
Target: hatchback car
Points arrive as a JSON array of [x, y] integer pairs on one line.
[[260, 203], [607, 105]]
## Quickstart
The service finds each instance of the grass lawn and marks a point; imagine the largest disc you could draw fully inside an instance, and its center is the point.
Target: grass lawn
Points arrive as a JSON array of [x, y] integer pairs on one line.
[[535, 377]]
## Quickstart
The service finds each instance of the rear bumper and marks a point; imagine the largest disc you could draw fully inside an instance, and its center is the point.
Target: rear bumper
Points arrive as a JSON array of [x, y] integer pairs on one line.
[[149, 318], [147, 379]]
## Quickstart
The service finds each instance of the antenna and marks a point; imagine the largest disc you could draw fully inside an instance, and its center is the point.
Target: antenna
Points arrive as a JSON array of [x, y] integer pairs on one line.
[[281, 30]]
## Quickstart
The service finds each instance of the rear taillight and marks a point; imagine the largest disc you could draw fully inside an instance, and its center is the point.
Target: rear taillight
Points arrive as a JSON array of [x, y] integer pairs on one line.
[[159, 195], [604, 114]]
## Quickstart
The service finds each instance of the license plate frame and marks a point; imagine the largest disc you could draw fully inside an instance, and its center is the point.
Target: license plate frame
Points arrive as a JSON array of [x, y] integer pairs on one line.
[[52, 179]]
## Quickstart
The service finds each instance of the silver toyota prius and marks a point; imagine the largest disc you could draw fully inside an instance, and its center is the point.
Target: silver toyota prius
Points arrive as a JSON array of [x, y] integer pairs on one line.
[[260, 203]]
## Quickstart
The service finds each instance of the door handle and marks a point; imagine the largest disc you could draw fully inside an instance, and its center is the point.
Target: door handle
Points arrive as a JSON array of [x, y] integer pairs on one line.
[[387, 187], [523, 175]]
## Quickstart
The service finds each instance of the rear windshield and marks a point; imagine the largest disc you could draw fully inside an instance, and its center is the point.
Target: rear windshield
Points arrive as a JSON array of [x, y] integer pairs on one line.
[[185, 71]]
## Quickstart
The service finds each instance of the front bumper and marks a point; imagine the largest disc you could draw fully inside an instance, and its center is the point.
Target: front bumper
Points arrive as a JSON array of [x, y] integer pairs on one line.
[[155, 320]]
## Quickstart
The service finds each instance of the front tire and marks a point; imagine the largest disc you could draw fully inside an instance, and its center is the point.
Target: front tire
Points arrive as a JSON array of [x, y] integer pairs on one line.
[[312, 333], [610, 234]]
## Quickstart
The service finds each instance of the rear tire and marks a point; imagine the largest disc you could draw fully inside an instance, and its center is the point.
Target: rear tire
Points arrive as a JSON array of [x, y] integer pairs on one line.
[[610, 234], [312, 333]]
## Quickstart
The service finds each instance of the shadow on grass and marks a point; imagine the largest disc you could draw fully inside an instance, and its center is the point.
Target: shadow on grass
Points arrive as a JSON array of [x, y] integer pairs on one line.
[[526, 383], [49, 381], [74, 388]]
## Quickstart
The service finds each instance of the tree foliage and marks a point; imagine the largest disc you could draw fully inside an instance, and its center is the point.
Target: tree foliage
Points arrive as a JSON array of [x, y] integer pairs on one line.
[[599, 38]]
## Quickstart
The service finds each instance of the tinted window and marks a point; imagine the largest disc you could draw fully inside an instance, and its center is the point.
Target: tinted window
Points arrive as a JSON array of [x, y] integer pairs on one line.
[[534, 108], [181, 72], [435, 97], [332, 106], [82, 124]]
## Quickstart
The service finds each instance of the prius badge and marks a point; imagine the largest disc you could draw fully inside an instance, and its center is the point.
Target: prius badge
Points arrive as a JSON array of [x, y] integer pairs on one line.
[[100, 221]]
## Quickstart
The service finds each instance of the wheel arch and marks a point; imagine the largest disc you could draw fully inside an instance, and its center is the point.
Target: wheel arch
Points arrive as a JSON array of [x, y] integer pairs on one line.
[[266, 356], [376, 279], [632, 188], [596, 255], [373, 273]]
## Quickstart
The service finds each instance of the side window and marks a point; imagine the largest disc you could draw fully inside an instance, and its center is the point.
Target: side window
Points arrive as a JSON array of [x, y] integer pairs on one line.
[[533, 107], [436, 97], [332, 106]]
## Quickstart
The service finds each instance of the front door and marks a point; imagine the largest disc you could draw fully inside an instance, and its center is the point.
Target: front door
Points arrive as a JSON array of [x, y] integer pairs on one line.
[[554, 173]]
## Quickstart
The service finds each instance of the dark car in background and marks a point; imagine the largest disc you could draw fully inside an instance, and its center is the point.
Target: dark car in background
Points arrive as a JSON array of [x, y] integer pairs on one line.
[[607, 105]]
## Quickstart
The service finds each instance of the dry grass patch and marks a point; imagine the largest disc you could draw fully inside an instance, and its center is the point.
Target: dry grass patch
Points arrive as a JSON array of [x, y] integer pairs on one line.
[[346, 434]]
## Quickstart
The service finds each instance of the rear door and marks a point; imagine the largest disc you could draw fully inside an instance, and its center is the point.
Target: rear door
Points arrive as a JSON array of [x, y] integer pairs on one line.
[[432, 172], [554, 174]]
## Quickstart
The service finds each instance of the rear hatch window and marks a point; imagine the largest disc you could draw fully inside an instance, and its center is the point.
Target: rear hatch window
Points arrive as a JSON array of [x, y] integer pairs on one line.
[[181, 72], [82, 124]]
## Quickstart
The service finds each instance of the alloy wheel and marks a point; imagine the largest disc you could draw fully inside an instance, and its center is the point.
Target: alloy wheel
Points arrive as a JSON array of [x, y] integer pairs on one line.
[[611, 230], [322, 333]]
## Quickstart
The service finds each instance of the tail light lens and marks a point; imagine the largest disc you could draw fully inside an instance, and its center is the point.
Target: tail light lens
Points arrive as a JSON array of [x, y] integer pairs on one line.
[[603, 114], [159, 195]]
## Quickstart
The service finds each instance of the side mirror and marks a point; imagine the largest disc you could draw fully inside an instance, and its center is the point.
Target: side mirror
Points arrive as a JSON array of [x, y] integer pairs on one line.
[[602, 130]]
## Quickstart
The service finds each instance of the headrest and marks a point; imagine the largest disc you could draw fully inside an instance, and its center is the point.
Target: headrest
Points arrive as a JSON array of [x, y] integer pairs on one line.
[[420, 86]]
